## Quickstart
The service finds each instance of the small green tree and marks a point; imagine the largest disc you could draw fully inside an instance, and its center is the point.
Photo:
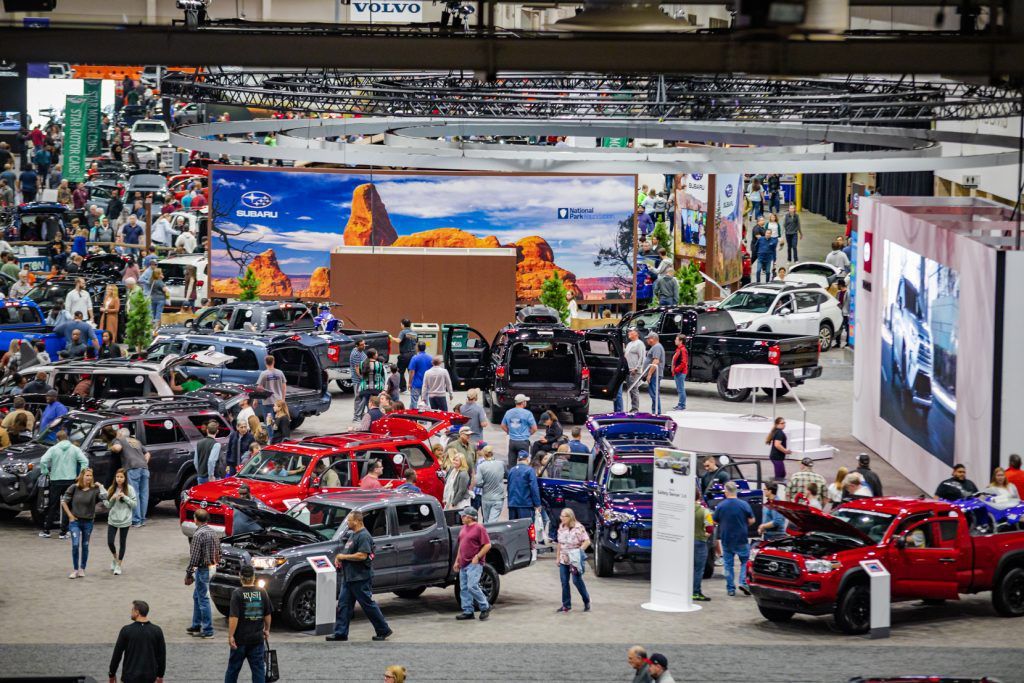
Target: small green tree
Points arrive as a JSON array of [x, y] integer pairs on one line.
[[138, 329], [553, 295], [664, 237], [689, 278], [248, 284]]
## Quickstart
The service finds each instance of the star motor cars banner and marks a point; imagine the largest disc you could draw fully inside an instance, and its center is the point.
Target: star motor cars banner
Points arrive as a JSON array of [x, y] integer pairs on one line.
[[691, 198], [728, 230], [94, 134], [76, 111], [285, 223]]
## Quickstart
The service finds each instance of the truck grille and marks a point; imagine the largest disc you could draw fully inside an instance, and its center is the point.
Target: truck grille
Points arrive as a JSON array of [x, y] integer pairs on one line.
[[215, 518], [640, 534], [776, 567], [229, 565]]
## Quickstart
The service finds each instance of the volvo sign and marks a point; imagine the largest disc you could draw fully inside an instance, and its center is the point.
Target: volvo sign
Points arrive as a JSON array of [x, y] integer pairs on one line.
[[383, 11]]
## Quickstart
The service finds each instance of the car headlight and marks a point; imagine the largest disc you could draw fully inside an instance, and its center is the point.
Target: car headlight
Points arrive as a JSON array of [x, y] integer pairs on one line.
[[743, 326], [267, 562], [820, 566], [615, 517], [19, 468]]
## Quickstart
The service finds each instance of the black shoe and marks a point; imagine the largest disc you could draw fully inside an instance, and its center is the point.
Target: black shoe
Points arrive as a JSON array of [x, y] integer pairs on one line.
[[336, 639], [745, 589], [465, 616], [586, 607], [383, 636], [484, 613], [193, 630], [700, 597], [204, 635]]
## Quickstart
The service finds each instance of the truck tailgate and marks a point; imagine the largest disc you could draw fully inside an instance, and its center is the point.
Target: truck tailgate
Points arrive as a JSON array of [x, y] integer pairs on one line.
[[796, 351]]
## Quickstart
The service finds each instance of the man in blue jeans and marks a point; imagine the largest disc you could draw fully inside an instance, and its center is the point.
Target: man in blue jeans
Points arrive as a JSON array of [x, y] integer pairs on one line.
[[734, 517], [474, 544], [135, 461], [204, 552], [418, 367], [248, 628], [700, 551], [356, 564]]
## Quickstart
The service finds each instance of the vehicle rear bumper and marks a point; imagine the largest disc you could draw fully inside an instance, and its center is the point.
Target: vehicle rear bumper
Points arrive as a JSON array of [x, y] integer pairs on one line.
[[805, 374], [781, 598], [543, 400]]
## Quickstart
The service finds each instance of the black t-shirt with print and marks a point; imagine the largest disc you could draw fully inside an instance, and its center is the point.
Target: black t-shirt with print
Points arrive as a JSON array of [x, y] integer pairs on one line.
[[249, 605]]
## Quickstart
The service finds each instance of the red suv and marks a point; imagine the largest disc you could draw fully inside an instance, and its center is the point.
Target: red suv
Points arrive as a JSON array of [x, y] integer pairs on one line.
[[286, 473]]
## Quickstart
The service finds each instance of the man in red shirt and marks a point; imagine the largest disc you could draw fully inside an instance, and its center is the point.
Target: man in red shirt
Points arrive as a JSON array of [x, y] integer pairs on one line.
[[680, 366], [372, 479], [1014, 474], [474, 544]]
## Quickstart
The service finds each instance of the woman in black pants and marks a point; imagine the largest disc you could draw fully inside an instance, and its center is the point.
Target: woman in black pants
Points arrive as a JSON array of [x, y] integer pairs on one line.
[[551, 439], [121, 502]]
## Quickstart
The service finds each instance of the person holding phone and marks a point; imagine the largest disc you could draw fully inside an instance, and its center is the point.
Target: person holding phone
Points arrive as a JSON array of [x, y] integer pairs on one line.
[[121, 501]]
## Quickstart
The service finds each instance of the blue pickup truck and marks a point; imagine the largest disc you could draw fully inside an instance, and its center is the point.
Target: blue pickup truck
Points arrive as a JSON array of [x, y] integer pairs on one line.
[[23, 320], [611, 488]]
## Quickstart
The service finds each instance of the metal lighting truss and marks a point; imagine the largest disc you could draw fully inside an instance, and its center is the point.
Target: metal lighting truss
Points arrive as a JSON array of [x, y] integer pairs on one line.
[[841, 100]]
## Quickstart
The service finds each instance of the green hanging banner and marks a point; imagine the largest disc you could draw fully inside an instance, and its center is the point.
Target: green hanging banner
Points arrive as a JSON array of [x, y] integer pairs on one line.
[[94, 132], [76, 111], [615, 142]]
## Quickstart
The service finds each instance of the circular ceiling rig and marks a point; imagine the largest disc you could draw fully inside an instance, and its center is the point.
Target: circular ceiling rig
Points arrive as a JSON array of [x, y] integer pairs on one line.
[[448, 144]]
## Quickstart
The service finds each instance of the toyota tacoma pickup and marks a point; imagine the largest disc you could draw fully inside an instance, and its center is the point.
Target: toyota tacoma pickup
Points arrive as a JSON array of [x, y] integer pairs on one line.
[[414, 549], [929, 547]]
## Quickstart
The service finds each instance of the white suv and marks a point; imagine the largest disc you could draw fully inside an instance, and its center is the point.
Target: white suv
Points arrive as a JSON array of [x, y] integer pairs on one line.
[[175, 269], [786, 308]]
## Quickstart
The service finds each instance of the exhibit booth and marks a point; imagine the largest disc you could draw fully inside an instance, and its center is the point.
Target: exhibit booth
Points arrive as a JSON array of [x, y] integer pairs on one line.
[[937, 318]]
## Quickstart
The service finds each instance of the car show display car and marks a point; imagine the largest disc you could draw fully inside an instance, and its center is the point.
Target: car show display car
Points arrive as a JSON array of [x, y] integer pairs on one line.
[[714, 344], [786, 308], [414, 549], [931, 549], [23, 321]]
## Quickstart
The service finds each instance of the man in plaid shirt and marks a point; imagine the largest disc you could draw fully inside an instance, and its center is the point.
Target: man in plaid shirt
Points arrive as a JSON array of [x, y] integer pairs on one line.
[[799, 481], [204, 551]]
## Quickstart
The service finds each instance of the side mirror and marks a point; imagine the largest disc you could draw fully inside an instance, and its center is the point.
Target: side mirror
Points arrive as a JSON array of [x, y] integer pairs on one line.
[[901, 541], [724, 460], [315, 482], [190, 323], [440, 475]]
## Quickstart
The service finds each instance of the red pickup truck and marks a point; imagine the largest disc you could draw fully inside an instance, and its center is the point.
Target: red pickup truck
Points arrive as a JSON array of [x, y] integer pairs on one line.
[[928, 547], [286, 473]]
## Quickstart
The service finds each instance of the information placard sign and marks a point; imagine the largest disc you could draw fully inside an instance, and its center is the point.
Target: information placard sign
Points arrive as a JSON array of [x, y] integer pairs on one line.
[[673, 531]]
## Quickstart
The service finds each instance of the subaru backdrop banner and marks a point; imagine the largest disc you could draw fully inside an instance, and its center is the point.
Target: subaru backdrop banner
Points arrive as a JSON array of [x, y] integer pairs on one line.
[[286, 222], [728, 229]]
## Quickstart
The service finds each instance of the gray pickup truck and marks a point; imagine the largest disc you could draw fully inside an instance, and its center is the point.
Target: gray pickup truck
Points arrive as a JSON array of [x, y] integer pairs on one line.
[[414, 549]]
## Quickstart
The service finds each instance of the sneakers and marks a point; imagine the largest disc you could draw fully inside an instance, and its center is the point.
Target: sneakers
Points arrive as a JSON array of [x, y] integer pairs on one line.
[[746, 589], [193, 630], [586, 607], [205, 635], [44, 534], [465, 616], [382, 636], [117, 570], [484, 613], [73, 574], [336, 639], [562, 610], [113, 565], [64, 537], [81, 573], [700, 597], [732, 593]]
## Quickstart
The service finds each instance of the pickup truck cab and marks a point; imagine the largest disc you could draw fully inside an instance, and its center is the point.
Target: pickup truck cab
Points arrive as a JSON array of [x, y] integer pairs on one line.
[[300, 357], [929, 547], [787, 308], [284, 474], [414, 549], [715, 344], [558, 368], [911, 352], [24, 321]]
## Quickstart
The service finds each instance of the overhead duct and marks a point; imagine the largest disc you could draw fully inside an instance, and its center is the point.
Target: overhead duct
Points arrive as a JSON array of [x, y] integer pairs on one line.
[[610, 16]]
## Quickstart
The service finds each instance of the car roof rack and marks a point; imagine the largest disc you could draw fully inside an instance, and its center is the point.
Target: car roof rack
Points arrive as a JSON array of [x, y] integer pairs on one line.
[[160, 403]]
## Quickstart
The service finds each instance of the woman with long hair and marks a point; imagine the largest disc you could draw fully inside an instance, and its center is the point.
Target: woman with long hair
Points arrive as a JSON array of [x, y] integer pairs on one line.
[[79, 504], [121, 500], [1005, 491], [109, 311], [108, 349], [834, 494], [778, 452], [571, 551], [157, 295], [394, 674], [282, 422], [456, 482], [191, 287]]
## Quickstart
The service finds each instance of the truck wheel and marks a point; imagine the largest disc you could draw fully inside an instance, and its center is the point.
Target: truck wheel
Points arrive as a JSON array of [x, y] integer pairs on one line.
[[604, 561], [731, 395], [777, 616], [223, 607], [853, 614], [411, 593], [299, 608], [825, 336], [497, 412], [7, 514], [1008, 593], [580, 416], [297, 421], [345, 387], [490, 584], [779, 392]]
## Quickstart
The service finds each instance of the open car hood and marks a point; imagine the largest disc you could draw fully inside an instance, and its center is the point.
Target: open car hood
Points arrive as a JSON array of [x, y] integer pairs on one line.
[[266, 517], [207, 358], [622, 425], [808, 519]]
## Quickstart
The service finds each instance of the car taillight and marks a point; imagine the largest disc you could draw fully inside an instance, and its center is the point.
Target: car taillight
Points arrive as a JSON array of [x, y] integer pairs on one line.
[[775, 355], [200, 283], [334, 352], [500, 372], [533, 533], [586, 373]]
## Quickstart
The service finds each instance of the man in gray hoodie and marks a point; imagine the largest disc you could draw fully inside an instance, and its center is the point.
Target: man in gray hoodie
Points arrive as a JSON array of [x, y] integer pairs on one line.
[[666, 289], [61, 463]]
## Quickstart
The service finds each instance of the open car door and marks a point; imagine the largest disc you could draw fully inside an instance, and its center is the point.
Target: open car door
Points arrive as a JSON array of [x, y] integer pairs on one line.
[[467, 355], [602, 351], [569, 483], [206, 359]]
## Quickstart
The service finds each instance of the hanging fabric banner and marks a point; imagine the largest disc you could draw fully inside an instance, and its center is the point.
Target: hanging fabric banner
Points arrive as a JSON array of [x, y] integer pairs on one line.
[[94, 132], [76, 110]]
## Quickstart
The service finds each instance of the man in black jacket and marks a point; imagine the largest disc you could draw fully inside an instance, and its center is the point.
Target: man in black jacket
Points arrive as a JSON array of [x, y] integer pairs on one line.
[[869, 476], [141, 643], [956, 487]]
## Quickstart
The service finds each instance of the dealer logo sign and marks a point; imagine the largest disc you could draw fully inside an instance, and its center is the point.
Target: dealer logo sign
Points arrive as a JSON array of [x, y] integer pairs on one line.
[[384, 11], [254, 199]]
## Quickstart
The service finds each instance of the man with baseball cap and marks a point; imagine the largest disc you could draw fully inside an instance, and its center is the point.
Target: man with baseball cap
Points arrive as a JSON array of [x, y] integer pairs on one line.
[[798, 482], [658, 668], [465, 448], [519, 424], [248, 627], [474, 544], [868, 474]]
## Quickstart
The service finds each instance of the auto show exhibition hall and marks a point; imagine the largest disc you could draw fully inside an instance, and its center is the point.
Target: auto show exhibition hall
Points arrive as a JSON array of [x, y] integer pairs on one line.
[[497, 341]]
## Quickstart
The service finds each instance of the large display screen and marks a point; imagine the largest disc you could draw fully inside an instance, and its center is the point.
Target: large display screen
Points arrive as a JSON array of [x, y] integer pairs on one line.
[[286, 223], [920, 335]]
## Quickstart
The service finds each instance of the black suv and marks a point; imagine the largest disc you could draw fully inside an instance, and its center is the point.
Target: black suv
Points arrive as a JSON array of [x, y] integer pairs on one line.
[[558, 368], [167, 427]]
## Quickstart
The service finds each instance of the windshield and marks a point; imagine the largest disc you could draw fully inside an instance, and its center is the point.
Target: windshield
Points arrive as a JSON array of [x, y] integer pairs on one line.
[[323, 519], [13, 315], [100, 192], [756, 302], [78, 430], [874, 524], [639, 478], [271, 465], [149, 128], [813, 268], [644, 321]]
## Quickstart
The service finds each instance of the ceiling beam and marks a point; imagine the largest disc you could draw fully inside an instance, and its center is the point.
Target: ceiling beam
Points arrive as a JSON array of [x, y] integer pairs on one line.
[[628, 53]]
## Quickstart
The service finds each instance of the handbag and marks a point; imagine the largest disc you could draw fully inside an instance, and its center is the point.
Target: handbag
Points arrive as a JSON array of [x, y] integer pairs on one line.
[[270, 661], [43, 481]]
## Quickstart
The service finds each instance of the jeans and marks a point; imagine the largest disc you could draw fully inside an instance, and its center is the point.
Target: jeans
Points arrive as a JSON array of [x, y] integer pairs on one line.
[[202, 480], [680, 381], [257, 666], [845, 326], [757, 209], [791, 249], [520, 513], [138, 477], [764, 265], [634, 390], [438, 403], [617, 405], [414, 397], [729, 555], [775, 202], [700, 558], [81, 530], [201, 615], [362, 398], [654, 391], [157, 307], [54, 512], [358, 591], [113, 531], [470, 592], [514, 446], [490, 511], [564, 572]]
